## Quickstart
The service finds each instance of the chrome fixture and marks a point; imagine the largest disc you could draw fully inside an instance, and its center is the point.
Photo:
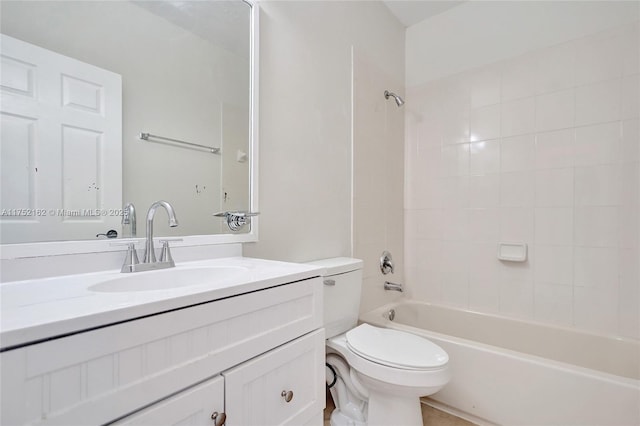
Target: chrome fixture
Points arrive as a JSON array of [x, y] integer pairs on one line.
[[287, 395], [149, 254], [149, 262], [129, 218], [149, 137], [391, 314], [393, 286], [111, 233], [236, 220], [386, 263], [218, 418], [398, 99]]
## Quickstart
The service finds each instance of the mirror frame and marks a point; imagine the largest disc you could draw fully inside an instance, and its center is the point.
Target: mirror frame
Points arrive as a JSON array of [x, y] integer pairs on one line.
[[52, 248]]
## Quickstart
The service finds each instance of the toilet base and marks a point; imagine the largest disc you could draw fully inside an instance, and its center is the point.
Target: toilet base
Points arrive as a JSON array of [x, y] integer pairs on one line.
[[340, 419], [386, 409]]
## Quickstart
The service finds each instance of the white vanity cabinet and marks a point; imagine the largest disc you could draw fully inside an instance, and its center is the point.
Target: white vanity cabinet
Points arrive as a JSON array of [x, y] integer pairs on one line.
[[234, 355], [202, 404]]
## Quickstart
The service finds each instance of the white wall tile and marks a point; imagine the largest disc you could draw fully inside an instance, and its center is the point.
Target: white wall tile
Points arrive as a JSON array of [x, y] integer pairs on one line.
[[484, 157], [597, 144], [455, 160], [628, 226], [553, 303], [630, 107], [596, 226], [516, 299], [554, 225], [455, 224], [629, 181], [630, 144], [629, 300], [426, 223], [555, 110], [484, 190], [485, 87], [597, 186], [554, 265], [630, 50], [485, 123], [598, 102], [554, 188], [595, 267], [455, 276], [554, 149], [556, 68], [518, 78], [516, 224], [544, 149], [598, 58], [428, 254], [484, 290], [517, 117], [595, 309], [455, 191], [429, 131], [517, 189], [484, 225]]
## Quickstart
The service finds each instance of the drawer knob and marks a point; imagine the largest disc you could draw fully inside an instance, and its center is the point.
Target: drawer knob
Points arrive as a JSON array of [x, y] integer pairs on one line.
[[287, 395], [218, 418]]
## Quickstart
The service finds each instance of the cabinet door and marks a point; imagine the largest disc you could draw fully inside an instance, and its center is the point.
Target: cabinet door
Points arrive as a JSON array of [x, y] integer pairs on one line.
[[193, 407], [282, 387]]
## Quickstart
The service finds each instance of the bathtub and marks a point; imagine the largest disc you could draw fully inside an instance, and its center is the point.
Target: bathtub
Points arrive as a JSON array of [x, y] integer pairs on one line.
[[512, 372]]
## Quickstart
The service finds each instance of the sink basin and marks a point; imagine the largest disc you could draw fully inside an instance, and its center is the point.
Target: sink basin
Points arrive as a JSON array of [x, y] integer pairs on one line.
[[167, 279]]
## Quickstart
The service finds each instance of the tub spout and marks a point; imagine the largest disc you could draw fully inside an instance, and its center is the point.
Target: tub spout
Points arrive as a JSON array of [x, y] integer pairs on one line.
[[393, 286]]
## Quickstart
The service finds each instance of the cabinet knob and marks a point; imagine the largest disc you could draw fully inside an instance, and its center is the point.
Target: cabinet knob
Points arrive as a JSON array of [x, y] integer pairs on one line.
[[287, 395], [218, 418]]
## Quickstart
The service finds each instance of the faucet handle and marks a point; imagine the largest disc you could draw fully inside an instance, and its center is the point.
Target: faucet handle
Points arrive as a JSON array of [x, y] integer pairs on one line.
[[131, 259], [165, 253]]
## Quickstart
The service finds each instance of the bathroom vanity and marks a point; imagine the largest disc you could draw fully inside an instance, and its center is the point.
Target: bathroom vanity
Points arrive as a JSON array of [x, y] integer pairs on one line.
[[233, 341]]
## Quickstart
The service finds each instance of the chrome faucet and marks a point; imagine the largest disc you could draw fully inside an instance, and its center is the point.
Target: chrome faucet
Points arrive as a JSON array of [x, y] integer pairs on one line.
[[129, 218], [149, 253], [131, 263], [393, 286]]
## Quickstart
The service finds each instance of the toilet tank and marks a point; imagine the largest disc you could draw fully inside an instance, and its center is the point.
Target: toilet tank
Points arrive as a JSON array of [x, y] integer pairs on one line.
[[342, 287]]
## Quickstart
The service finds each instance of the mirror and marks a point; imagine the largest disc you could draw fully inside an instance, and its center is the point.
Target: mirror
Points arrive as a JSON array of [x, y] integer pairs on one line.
[[107, 103]]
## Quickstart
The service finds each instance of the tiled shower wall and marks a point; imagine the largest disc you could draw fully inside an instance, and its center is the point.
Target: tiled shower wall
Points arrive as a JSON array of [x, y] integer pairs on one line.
[[378, 138], [541, 149]]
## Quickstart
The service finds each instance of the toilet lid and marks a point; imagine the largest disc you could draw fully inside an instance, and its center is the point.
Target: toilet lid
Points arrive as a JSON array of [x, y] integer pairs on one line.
[[395, 348]]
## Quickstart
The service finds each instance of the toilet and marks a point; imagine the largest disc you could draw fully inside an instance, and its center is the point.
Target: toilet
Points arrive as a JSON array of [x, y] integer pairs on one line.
[[376, 375]]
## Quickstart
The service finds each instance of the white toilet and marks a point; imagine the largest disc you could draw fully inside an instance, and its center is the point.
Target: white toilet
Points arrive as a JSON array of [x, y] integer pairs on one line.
[[377, 375]]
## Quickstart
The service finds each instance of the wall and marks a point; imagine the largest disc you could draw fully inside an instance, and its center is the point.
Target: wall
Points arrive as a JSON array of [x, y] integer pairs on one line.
[[540, 148], [378, 177], [306, 121]]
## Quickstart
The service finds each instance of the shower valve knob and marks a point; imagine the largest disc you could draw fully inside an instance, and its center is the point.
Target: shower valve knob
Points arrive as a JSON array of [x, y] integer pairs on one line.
[[386, 263]]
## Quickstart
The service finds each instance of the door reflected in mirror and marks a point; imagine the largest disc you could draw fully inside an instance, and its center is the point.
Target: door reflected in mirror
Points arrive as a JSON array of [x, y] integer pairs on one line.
[[82, 81]]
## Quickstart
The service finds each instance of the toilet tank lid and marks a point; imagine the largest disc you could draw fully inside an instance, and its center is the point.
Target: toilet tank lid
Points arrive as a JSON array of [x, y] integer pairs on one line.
[[338, 265]]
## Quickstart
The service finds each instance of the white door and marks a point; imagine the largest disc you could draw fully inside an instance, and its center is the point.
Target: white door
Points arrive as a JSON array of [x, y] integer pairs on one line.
[[60, 146]]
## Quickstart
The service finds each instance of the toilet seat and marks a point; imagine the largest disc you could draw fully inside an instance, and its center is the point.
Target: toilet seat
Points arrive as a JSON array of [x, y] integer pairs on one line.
[[395, 348]]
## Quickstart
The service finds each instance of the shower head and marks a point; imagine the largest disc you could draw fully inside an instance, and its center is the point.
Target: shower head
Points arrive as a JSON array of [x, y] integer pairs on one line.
[[398, 99]]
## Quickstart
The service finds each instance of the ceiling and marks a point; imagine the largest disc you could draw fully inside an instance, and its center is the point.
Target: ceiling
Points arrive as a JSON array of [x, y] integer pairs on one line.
[[412, 12]]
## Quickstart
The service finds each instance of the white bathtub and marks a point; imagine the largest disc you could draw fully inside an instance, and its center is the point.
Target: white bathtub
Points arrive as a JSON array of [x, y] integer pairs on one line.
[[513, 372]]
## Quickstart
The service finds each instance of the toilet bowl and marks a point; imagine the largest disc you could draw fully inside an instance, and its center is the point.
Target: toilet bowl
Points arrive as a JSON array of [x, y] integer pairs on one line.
[[376, 375]]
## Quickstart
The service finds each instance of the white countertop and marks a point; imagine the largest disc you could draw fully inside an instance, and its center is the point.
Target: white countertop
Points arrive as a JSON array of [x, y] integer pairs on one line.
[[33, 310]]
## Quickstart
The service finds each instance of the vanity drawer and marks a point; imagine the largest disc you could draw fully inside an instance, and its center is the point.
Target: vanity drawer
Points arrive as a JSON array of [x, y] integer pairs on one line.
[[256, 392], [100, 375], [194, 406]]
